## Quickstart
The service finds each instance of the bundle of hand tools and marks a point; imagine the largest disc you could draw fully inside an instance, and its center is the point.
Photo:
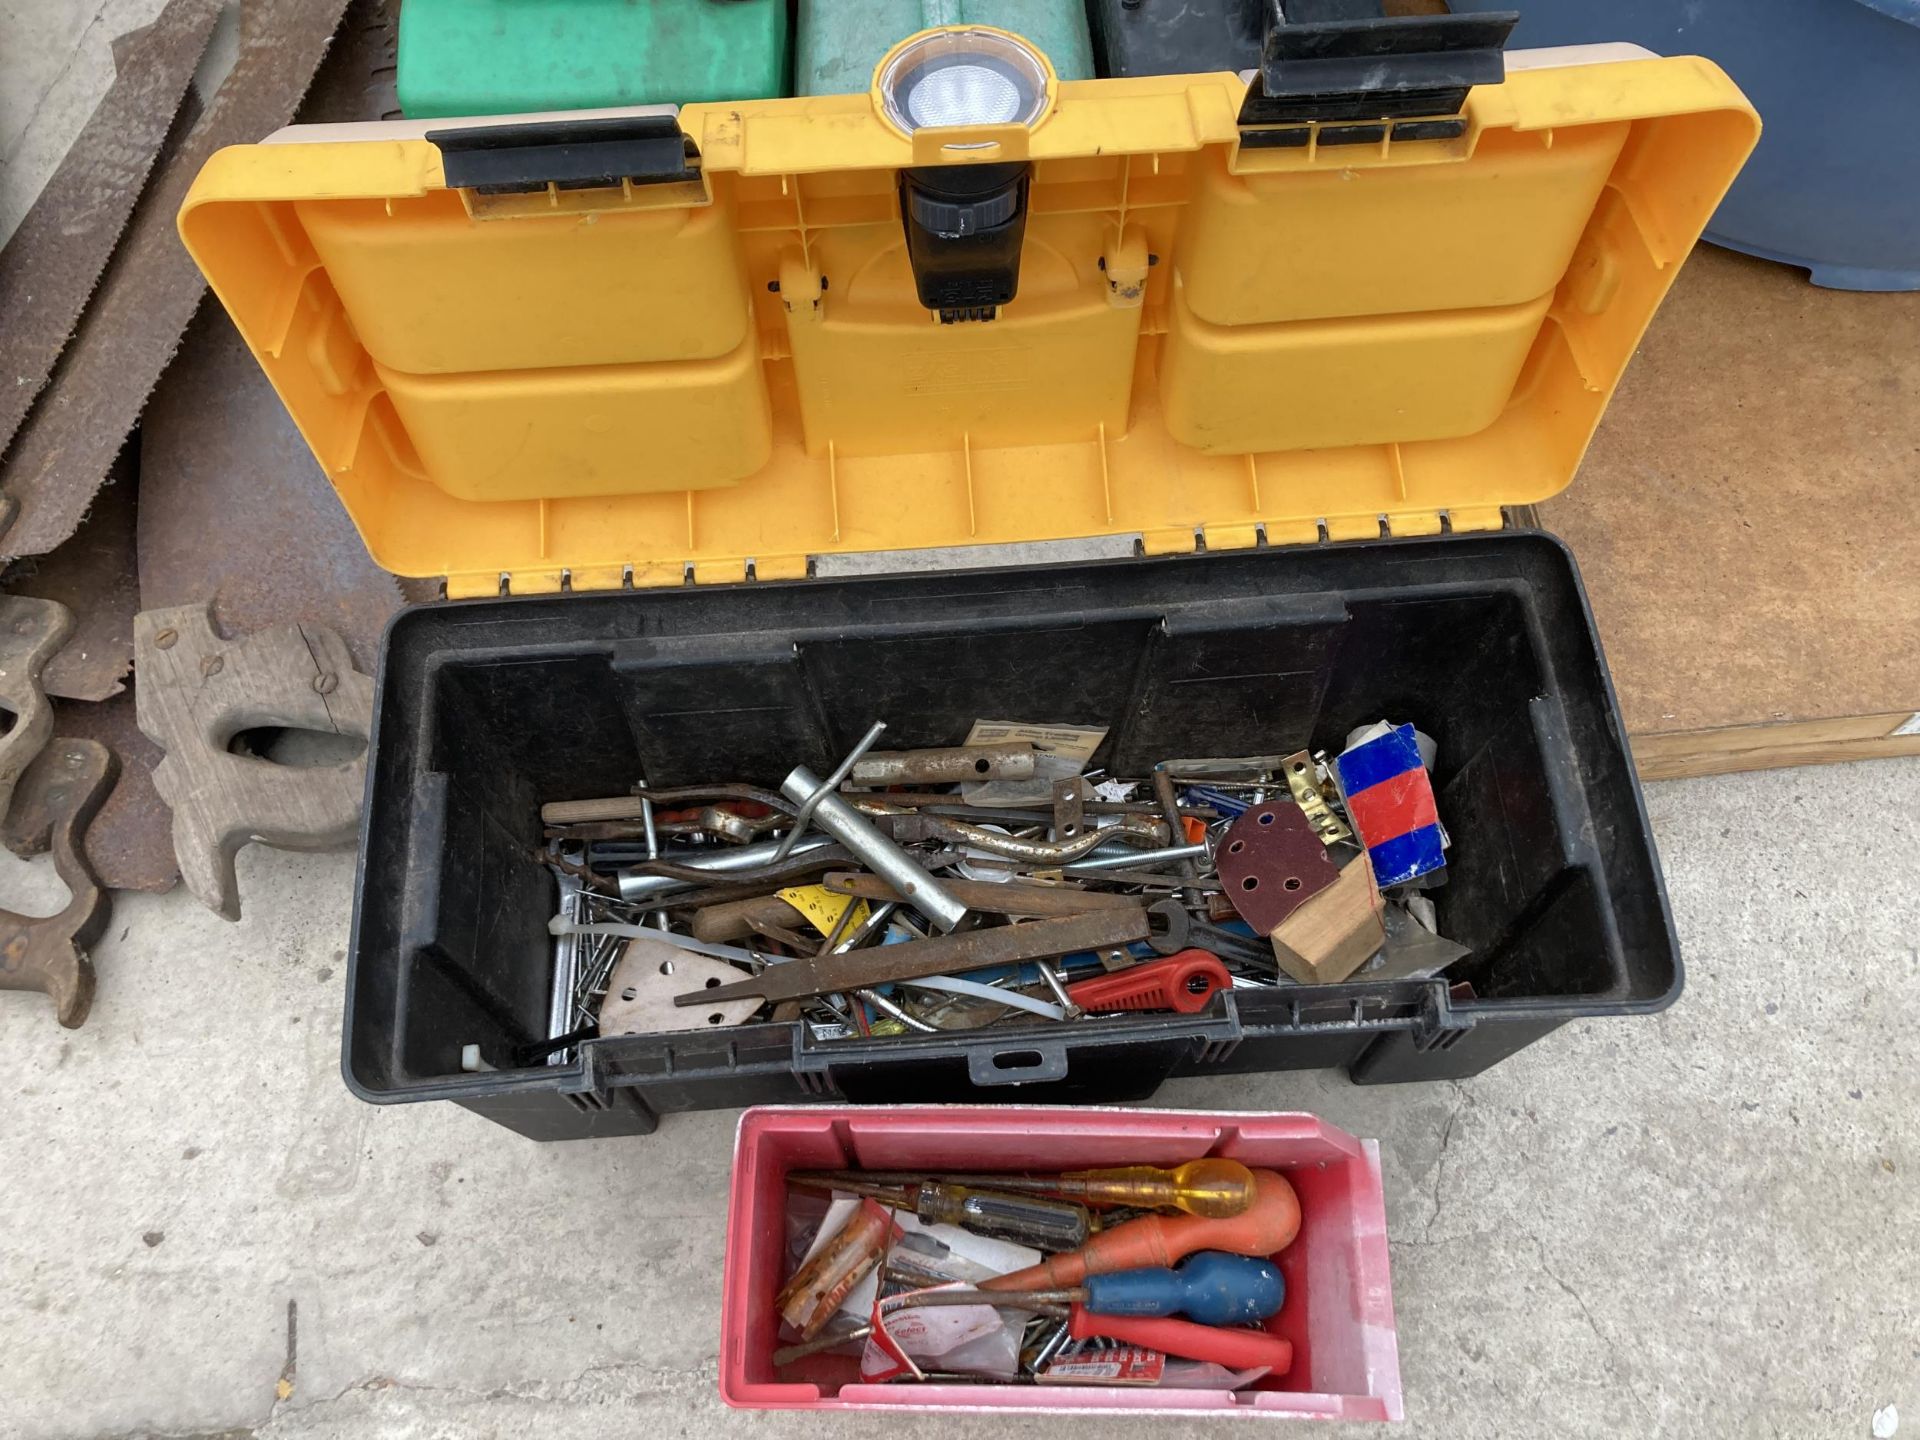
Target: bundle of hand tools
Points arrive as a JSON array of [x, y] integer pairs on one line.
[[990, 883], [1132, 1276]]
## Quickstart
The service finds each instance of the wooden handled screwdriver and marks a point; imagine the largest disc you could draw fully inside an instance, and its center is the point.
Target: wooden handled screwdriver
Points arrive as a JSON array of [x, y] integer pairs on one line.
[[1022, 1219]]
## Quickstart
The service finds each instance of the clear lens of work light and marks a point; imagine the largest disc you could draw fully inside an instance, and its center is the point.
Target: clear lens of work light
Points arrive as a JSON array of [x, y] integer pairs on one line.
[[964, 77]]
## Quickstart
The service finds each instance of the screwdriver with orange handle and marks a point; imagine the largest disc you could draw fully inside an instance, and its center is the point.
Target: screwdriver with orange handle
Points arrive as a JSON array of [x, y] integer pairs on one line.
[[1216, 1189], [1264, 1228], [1234, 1348]]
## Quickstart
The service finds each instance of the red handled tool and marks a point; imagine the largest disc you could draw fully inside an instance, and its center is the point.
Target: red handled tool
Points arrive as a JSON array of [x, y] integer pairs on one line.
[[1183, 982], [1235, 1349], [1264, 1228]]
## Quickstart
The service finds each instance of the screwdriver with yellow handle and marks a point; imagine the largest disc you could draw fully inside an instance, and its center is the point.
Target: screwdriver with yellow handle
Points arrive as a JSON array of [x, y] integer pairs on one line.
[[1211, 1189]]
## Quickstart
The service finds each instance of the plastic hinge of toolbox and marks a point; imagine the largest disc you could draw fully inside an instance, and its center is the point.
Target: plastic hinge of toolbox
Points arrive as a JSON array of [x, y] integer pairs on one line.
[[1357, 76], [567, 154], [1436, 1027]]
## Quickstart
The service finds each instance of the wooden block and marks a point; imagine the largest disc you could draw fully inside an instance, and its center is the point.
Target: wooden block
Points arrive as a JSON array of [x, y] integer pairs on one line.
[[1334, 933]]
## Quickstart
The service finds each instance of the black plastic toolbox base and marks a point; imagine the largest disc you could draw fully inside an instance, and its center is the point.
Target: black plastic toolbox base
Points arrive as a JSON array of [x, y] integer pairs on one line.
[[486, 709]]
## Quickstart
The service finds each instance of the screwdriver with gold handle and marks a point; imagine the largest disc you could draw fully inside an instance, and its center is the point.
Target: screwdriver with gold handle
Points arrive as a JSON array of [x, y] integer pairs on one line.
[[1211, 1189]]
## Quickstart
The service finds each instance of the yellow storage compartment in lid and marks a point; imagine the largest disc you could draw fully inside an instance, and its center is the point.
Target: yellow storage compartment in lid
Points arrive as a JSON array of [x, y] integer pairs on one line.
[[722, 362], [432, 294], [1315, 384]]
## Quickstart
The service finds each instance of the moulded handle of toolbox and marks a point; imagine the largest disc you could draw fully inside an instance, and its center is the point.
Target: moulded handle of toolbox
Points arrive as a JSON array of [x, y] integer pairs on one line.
[[970, 144], [1017, 1065], [570, 153]]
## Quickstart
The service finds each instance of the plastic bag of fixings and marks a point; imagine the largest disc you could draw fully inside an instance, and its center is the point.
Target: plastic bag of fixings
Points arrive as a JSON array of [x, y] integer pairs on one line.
[[958, 1340]]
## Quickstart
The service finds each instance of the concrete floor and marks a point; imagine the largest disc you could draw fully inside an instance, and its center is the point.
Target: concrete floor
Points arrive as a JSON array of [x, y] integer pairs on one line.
[[1702, 1223]]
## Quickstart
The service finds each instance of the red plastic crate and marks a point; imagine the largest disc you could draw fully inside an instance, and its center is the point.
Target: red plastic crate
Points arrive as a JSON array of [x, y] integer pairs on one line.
[[1339, 1310]]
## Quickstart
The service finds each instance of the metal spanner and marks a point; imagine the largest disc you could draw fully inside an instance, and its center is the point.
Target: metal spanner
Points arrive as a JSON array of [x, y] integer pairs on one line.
[[1175, 929]]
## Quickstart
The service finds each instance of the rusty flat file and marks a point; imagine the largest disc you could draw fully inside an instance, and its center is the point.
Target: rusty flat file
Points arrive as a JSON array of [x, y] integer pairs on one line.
[[995, 897], [943, 955]]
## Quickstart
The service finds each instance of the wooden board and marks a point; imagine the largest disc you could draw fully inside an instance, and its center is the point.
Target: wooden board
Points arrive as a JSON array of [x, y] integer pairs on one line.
[[1748, 524]]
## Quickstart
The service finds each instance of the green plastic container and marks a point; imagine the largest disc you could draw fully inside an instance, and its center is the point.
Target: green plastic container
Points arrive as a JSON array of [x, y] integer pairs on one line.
[[838, 42], [504, 57]]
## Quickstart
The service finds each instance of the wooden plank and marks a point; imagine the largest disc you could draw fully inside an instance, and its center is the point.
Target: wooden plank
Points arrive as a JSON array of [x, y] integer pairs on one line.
[[1679, 755], [1748, 527]]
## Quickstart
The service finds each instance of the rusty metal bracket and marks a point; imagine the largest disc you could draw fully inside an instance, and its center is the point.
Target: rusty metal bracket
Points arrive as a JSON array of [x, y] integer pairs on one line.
[[1303, 781], [30, 632], [65, 785], [197, 692], [1070, 796]]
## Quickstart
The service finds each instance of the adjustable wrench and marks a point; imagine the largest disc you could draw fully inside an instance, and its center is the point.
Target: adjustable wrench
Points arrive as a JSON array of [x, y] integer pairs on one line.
[[1175, 929]]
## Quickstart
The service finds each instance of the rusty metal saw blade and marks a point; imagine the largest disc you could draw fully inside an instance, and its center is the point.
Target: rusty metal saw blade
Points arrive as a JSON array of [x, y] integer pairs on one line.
[[238, 511], [944, 955], [151, 289], [49, 954], [52, 262], [129, 843], [95, 576]]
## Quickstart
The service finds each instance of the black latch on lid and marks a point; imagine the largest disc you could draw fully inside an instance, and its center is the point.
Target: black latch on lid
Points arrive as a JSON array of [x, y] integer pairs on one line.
[[568, 154], [1357, 70]]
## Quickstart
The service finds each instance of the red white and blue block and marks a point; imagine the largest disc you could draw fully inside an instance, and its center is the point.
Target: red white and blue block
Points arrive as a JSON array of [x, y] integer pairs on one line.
[[1390, 801]]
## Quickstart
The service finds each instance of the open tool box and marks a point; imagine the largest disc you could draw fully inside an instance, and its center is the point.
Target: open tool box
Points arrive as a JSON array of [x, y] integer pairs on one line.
[[1337, 1314], [622, 377]]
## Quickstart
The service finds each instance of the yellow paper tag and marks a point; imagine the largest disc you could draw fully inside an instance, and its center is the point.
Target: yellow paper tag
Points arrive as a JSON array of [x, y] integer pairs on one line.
[[1075, 743], [823, 908]]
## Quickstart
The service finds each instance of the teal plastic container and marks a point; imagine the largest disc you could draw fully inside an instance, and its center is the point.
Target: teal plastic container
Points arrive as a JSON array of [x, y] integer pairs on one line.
[[838, 42], [505, 57]]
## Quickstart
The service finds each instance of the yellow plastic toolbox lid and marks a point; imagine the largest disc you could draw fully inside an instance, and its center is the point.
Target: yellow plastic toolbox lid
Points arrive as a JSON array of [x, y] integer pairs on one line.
[[720, 360]]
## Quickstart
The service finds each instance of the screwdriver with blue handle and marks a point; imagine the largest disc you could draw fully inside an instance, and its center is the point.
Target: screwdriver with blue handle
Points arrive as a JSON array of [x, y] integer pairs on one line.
[[1211, 1287], [1135, 1307]]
